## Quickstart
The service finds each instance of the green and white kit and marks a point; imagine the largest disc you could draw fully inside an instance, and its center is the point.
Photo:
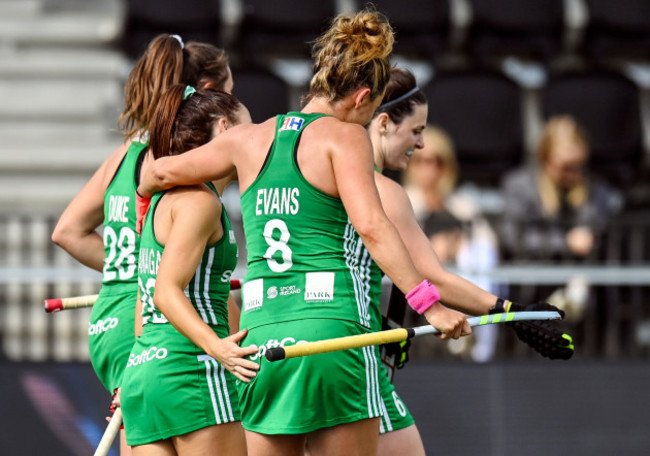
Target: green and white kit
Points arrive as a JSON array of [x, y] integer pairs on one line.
[[111, 332], [309, 278], [171, 387]]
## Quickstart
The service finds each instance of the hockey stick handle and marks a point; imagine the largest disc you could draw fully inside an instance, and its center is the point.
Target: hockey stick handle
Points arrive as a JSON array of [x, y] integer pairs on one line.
[[77, 302], [55, 305], [394, 335], [110, 433]]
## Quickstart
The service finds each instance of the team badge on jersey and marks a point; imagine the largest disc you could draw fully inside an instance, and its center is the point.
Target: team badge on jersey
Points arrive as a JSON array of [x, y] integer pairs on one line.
[[292, 123]]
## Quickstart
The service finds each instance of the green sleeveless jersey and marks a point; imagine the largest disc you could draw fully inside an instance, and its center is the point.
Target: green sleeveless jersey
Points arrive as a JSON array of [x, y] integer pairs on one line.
[[209, 288], [120, 239], [305, 259]]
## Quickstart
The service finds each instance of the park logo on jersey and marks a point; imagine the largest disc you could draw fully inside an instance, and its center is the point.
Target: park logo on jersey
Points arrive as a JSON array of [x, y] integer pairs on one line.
[[292, 123], [319, 286], [253, 294]]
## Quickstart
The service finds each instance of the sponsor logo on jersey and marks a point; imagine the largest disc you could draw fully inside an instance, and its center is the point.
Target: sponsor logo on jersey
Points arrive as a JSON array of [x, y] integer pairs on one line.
[[227, 274], [147, 355], [292, 123], [289, 290], [253, 295], [102, 326], [272, 292], [319, 286]]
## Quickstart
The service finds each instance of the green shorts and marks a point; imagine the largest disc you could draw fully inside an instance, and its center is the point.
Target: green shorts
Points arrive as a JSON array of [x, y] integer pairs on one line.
[[111, 334], [395, 415], [171, 387], [301, 395]]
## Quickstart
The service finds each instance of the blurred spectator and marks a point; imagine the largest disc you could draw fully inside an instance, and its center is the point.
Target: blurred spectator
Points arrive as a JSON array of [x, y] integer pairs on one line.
[[429, 181], [451, 219], [555, 209]]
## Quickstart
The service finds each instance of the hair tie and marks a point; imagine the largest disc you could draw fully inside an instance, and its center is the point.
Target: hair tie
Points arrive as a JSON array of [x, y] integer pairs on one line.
[[180, 40], [390, 103], [189, 91]]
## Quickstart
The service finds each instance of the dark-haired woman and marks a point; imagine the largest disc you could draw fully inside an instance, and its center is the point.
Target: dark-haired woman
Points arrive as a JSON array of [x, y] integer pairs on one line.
[[178, 391], [108, 198]]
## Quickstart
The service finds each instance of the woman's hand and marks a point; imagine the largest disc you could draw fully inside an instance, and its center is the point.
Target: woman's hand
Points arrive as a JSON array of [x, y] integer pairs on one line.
[[451, 323], [228, 352]]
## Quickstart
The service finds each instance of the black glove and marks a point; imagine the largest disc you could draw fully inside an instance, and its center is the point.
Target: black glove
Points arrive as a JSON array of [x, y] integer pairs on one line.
[[541, 336], [400, 350], [394, 354]]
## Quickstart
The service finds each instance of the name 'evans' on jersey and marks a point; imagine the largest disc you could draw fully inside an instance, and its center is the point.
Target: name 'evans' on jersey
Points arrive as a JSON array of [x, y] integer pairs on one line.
[[277, 200]]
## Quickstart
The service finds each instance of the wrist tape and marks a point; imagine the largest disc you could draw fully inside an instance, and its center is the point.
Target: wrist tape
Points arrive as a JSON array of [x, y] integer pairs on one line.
[[423, 297]]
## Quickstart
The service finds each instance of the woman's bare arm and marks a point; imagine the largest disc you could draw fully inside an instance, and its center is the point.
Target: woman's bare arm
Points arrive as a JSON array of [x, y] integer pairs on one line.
[[352, 163], [454, 290], [76, 231], [194, 215], [211, 161]]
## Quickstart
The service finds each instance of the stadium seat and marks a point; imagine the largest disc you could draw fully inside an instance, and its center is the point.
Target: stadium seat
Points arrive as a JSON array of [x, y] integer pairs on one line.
[[193, 20], [282, 28], [262, 92], [530, 29], [607, 105], [618, 29], [421, 28], [481, 110]]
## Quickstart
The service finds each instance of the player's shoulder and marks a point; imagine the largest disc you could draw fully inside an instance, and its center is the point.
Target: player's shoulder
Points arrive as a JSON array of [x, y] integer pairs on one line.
[[252, 131], [335, 122], [193, 197], [330, 130]]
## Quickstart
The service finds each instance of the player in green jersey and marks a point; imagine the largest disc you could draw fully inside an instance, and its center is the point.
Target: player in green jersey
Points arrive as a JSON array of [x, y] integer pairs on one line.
[[178, 394], [108, 198], [395, 130], [305, 280]]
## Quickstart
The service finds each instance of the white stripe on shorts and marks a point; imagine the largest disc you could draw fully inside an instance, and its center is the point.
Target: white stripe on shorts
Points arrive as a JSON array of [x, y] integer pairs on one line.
[[215, 377], [385, 425], [372, 382]]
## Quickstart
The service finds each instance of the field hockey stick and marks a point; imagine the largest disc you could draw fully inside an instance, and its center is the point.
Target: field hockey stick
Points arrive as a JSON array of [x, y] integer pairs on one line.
[[110, 433], [394, 335], [77, 302]]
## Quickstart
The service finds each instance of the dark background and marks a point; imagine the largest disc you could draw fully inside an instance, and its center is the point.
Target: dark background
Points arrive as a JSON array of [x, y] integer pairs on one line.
[[530, 408]]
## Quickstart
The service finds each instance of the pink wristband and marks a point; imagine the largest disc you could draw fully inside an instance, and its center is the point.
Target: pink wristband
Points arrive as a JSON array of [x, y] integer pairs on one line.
[[423, 297]]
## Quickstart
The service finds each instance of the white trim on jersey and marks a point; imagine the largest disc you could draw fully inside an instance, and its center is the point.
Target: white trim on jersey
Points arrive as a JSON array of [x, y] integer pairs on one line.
[[206, 285], [358, 262], [203, 303]]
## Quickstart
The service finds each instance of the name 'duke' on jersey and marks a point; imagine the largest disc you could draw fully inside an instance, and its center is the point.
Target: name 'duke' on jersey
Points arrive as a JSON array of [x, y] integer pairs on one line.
[[118, 205], [277, 200]]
